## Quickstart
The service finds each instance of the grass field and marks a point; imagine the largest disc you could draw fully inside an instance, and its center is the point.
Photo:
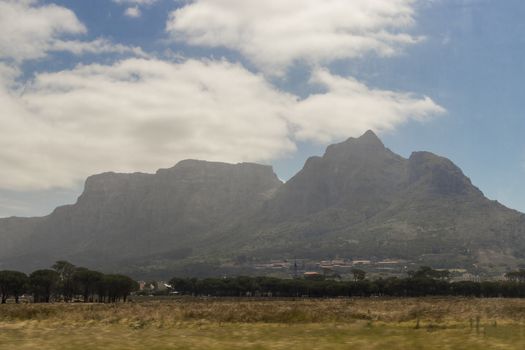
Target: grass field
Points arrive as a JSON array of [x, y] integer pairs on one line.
[[186, 323]]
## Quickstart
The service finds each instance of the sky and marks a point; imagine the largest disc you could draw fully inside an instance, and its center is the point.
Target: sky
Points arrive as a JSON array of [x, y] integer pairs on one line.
[[137, 85]]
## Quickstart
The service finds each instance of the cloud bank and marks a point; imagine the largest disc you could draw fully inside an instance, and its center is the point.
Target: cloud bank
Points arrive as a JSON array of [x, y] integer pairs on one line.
[[142, 113], [139, 114], [349, 107]]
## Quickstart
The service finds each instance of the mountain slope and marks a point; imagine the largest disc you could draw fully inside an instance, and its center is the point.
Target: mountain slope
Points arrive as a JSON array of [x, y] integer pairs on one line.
[[129, 216], [358, 200]]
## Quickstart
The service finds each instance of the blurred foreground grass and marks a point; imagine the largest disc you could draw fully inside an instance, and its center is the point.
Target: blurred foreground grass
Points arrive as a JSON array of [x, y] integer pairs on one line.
[[186, 323]]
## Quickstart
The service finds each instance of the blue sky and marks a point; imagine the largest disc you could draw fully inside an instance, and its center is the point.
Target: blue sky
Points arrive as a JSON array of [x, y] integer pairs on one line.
[[466, 57]]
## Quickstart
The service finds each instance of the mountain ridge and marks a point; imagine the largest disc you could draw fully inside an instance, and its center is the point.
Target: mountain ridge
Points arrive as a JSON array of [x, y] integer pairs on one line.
[[358, 199]]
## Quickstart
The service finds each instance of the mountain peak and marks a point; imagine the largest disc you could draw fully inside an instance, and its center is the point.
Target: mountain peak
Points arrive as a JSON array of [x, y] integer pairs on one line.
[[358, 199], [368, 142], [370, 137], [439, 175]]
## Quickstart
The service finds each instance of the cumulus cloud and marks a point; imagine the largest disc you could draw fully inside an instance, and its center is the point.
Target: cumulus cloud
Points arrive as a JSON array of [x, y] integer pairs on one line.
[[140, 114], [97, 46], [348, 107], [136, 115], [31, 31], [274, 33], [135, 2], [133, 12]]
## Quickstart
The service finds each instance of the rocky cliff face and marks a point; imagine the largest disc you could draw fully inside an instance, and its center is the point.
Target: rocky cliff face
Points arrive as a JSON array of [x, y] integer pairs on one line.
[[356, 175], [361, 199], [358, 199], [127, 216]]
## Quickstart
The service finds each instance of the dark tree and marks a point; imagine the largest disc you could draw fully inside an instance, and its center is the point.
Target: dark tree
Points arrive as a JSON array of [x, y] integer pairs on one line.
[[66, 272], [87, 282], [423, 282], [516, 276], [359, 275], [119, 287], [425, 272], [12, 283], [43, 284], [183, 285]]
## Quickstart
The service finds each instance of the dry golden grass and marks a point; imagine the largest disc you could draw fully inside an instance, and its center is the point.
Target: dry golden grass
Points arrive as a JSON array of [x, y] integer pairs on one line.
[[186, 323]]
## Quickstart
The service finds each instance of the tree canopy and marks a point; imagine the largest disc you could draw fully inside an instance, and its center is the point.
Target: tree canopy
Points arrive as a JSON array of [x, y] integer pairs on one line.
[[12, 283], [66, 282]]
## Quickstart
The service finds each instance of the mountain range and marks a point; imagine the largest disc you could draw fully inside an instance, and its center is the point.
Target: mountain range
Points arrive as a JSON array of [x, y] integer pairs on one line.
[[359, 200]]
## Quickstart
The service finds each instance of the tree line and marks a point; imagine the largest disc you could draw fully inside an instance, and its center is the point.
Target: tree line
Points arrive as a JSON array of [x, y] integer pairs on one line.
[[423, 282], [66, 282]]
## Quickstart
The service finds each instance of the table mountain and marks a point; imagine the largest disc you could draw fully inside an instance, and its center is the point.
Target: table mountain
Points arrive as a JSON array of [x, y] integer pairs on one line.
[[124, 217], [358, 200]]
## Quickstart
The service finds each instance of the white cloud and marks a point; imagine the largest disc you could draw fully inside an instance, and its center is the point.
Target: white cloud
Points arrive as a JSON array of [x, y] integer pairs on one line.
[[133, 12], [97, 46], [349, 107], [136, 115], [275, 33], [32, 31], [139, 115], [29, 32], [135, 2]]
